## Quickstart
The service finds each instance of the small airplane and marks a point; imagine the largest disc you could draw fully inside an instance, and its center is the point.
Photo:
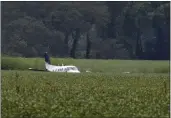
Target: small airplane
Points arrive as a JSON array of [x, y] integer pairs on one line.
[[54, 68]]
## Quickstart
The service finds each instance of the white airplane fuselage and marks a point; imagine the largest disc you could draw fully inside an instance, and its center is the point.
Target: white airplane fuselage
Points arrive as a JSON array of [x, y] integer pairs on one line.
[[68, 68]]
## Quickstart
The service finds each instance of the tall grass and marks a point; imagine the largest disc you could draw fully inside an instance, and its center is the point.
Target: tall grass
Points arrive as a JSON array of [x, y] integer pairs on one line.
[[98, 66]]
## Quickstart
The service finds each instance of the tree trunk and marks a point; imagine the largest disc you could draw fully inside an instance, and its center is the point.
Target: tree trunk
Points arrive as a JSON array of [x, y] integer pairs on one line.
[[128, 47], [88, 49], [161, 48], [167, 34], [157, 23], [76, 37], [159, 44], [139, 45], [66, 43], [138, 49]]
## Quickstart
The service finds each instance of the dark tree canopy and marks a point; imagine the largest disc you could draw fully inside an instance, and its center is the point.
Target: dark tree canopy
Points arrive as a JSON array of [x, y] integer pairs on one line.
[[101, 30]]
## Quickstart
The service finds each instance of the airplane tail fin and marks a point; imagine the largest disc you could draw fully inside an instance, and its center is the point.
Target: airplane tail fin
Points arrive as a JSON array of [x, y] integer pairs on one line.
[[47, 58]]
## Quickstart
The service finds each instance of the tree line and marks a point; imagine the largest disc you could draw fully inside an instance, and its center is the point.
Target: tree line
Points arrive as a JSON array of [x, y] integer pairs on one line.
[[99, 30]]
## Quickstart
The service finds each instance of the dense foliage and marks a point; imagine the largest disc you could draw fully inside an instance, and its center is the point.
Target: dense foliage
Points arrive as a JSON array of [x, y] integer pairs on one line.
[[50, 95], [122, 30]]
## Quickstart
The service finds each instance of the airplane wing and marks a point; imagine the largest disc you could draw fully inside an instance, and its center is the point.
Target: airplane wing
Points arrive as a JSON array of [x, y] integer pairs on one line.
[[51, 68]]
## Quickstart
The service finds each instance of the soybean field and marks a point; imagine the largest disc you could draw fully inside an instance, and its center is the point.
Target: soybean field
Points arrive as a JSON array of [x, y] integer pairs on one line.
[[112, 88]]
